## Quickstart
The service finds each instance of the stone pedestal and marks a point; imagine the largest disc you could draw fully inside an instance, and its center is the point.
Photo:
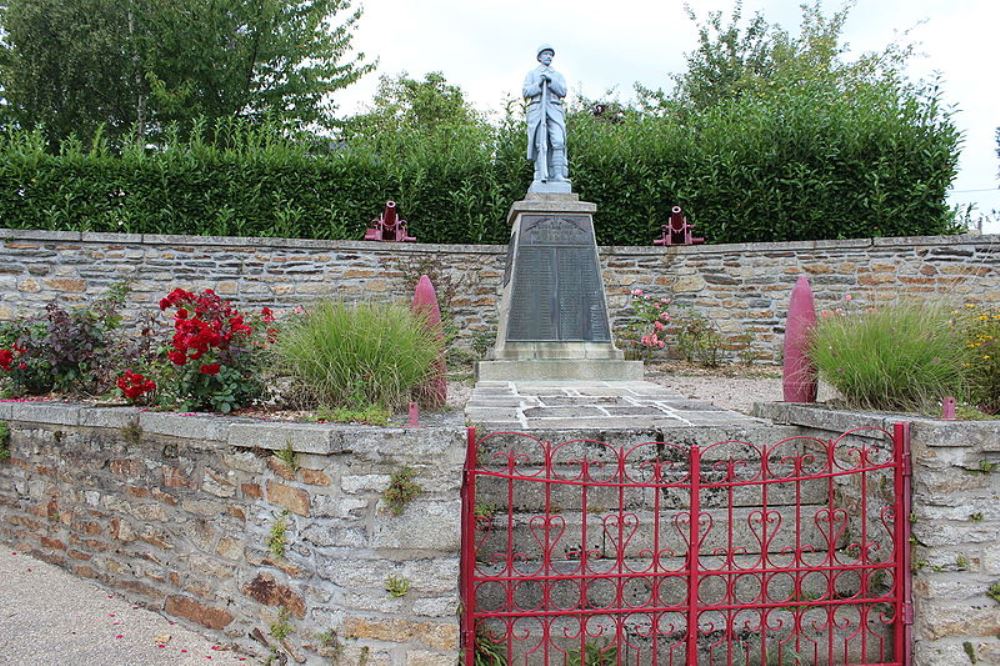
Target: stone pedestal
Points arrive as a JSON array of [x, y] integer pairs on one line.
[[553, 314]]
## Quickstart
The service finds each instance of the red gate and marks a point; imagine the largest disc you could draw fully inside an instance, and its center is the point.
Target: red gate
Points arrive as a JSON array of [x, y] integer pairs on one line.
[[791, 553]]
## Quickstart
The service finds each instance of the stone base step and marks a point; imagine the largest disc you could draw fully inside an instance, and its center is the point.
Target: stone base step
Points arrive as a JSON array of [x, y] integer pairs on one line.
[[560, 369]]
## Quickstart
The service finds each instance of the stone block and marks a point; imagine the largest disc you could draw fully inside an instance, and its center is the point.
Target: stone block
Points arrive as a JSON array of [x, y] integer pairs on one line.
[[334, 506], [49, 413], [266, 590], [424, 525], [195, 428], [295, 500], [437, 635], [425, 658], [976, 435], [207, 616], [109, 417], [301, 437]]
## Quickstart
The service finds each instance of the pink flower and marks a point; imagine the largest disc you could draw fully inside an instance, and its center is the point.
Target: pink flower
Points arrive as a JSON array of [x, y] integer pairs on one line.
[[659, 325], [661, 344], [637, 292], [665, 316], [848, 298]]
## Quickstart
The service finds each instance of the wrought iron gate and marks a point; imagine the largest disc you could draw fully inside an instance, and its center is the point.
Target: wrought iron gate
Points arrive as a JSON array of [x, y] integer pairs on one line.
[[581, 552]]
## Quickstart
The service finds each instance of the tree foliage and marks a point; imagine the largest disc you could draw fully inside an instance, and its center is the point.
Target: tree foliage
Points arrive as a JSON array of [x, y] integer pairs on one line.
[[767, 137], [74, 65]]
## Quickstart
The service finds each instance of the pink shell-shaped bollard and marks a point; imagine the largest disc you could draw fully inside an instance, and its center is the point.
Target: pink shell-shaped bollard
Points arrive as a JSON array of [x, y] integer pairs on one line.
[[434, 393], [799, 382]]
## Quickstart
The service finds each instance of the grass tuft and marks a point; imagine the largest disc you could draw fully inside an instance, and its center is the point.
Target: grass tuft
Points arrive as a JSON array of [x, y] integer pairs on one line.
[[901, 357], [356, 356]]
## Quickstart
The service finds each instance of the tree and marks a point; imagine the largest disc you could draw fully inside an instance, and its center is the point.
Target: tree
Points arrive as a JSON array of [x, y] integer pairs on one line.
[[74, 65], [732, 62], [402, 103]]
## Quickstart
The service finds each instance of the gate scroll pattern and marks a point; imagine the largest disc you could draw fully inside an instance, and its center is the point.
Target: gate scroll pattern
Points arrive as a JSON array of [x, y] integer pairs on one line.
[[791, 553]]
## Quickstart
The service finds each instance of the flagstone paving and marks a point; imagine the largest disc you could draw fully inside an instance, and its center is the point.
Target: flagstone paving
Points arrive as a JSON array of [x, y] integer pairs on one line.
[[613, 405]]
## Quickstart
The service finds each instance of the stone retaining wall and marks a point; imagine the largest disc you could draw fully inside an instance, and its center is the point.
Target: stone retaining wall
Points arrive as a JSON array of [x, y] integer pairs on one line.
[[955, 520], [176, 513], [744, 288]]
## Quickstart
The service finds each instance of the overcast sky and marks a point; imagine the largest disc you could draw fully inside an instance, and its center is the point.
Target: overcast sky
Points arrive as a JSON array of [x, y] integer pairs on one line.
[[486, 47]]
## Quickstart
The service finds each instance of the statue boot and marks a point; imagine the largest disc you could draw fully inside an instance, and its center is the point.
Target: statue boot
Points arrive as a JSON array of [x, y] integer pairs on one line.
[[559, 168]]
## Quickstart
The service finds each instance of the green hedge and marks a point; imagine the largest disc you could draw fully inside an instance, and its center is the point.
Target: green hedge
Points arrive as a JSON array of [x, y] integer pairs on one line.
[[811, 164]]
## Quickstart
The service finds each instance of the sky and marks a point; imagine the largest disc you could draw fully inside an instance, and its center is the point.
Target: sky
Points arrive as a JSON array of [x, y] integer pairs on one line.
[[487, 46]]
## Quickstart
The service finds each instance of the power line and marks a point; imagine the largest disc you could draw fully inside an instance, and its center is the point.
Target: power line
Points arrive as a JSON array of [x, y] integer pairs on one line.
[[988, 189]]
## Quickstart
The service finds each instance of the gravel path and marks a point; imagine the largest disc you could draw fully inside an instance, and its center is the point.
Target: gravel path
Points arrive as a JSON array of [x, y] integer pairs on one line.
[[49, 617], [733, 388]]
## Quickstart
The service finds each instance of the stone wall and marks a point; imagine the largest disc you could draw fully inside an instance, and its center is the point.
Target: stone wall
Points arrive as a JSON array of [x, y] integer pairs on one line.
[[176, 512], [744, 288], [955, 523]]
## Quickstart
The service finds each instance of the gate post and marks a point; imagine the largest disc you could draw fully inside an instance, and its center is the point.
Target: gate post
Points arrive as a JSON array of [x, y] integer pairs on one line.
[[468, 553], [904, 594], [693, 546]]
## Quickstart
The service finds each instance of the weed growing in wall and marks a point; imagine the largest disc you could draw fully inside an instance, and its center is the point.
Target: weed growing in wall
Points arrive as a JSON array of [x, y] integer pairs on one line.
[[4, 441], [282, 627], [401, 491], [288, 457], [277, 538], [397, 586]]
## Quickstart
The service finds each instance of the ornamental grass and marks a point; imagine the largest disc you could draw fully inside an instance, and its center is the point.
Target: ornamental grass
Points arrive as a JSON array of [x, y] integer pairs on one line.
[[355, 356], [900, 357]]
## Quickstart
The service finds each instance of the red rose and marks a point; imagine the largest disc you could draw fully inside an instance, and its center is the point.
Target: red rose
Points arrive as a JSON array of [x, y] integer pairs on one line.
[[6, 358], [209, 369], [177, 357], [267, 314], [134, 385]]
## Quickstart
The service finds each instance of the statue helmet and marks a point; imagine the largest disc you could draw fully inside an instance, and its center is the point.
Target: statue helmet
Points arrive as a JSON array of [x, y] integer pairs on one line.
[[544, 47]]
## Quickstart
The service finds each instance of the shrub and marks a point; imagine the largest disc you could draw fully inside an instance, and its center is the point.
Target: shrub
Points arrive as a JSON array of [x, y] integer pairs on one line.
[[699, 339], [215, 356], [982, 341], [74, 351], [783, 166], [897, 357], [356, 356], [645, 333]]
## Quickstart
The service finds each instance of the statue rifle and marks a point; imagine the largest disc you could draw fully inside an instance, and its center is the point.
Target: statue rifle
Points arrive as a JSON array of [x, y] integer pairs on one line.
[[543, 144]]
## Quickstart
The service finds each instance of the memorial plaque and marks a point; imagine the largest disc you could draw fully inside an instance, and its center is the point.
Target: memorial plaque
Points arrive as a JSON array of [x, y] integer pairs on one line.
[[562, 230], [557, 292]]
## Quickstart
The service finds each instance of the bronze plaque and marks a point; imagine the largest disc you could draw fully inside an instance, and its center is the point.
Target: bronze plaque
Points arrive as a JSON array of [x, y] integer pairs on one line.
[[558, 294]]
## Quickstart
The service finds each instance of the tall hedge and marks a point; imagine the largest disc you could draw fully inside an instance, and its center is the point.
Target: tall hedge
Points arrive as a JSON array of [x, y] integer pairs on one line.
[[806, 164]]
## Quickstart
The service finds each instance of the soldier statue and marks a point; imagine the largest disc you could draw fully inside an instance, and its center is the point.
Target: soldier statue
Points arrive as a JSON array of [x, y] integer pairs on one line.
[[544, 90]]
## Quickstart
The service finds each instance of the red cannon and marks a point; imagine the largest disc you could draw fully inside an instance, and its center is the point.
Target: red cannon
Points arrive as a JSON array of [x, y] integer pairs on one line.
[[677, 230], [388, 227]]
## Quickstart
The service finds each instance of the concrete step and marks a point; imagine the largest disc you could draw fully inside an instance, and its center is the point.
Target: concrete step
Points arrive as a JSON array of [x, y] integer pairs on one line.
[[669, 443], [633, 532], [493, 493], [584, 369], [753, 640], [582, 586]]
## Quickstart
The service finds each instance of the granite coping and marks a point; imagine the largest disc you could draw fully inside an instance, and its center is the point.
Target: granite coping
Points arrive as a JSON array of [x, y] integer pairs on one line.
[[984, 435], [214, 430], [7, 234]]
